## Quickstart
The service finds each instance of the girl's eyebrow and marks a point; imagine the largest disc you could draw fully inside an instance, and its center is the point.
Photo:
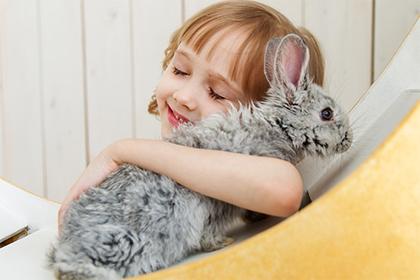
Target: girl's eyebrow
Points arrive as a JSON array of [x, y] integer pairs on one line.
[[183, 53]]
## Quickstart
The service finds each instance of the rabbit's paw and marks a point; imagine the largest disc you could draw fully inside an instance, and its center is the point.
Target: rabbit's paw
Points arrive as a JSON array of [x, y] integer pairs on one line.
[[212, 244]]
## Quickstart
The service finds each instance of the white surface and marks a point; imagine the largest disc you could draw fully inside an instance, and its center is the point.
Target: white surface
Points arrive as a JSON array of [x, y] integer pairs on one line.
[[37, 212], [26, 258], [10, 223]]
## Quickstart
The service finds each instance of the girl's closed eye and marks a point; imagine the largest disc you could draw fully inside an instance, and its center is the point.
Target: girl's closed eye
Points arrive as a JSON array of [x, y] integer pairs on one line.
[[214, 95], [177, 72]]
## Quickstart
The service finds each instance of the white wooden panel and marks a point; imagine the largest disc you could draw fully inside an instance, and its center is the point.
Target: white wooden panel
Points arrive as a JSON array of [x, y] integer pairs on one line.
[[109, 72], [393, 21], [293, 10], [1, 124], [22, 99], [62, 84], [191, 7], [151, 37], [2, 15], [344, 31]]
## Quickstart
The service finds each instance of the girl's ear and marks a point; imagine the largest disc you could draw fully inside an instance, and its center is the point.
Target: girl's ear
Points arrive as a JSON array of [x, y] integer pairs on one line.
[[286, 63]]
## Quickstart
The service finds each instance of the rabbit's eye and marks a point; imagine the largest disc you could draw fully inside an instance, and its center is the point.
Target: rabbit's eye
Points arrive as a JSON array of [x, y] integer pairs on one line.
[[327, 114]]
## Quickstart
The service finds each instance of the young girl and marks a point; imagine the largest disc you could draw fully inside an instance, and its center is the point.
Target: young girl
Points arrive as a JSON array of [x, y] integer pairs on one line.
[[215, 59]]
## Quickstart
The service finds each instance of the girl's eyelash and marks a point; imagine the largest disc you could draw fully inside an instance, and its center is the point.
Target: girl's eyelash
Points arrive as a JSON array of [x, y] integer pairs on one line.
[[176, 71], [214, 95]]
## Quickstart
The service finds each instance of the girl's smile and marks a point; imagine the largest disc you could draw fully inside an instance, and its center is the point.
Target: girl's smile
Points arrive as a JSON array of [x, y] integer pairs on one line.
[[176, 119]]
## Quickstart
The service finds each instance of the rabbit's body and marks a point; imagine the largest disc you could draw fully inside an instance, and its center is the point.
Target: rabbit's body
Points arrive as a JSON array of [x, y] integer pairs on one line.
[[138, 221]]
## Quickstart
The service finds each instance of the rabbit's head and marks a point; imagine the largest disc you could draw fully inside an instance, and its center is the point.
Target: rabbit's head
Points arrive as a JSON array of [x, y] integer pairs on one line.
[[312, 120]]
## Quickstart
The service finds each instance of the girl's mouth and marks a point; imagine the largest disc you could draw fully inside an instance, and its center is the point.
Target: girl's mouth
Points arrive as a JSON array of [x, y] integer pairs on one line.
[[176, 119]]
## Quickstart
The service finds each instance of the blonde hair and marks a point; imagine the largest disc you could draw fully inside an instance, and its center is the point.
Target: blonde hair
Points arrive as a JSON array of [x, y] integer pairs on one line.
[[261, 23]]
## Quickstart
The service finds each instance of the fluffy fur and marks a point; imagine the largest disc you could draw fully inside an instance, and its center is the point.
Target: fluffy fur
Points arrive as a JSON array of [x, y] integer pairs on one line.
[[138, 221]]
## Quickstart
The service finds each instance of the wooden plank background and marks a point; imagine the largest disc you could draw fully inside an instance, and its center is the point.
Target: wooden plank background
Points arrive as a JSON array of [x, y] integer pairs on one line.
[[77, 75], [2, 14], [393, 21], [62, 85], [22, 127]]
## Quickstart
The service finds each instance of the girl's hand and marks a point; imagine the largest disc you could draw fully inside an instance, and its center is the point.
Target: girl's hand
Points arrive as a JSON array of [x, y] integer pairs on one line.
[[98, 169]]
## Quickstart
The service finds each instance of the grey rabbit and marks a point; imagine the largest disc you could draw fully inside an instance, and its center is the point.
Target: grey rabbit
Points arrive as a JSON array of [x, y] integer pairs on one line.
[[137, 221]]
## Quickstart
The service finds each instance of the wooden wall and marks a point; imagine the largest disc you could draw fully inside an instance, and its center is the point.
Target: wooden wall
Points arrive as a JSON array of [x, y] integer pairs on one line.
[[77, 75]]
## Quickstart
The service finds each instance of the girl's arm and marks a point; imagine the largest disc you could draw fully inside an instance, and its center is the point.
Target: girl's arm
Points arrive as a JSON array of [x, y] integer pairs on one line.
[[261, 184]]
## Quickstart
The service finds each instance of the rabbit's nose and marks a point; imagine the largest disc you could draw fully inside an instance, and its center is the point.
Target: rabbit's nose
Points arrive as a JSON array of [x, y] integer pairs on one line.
[[348, 136], [345, 143]]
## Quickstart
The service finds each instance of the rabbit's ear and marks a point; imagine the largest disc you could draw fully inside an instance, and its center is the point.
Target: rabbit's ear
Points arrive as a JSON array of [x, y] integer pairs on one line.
[[291, 64], [269, 60]]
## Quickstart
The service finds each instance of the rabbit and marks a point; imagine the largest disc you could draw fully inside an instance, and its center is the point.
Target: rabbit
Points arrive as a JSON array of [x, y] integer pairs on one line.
[[137, 221]]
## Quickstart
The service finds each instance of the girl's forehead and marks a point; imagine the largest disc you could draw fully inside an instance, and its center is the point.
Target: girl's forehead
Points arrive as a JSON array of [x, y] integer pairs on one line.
[[224, 48], [226, 43]]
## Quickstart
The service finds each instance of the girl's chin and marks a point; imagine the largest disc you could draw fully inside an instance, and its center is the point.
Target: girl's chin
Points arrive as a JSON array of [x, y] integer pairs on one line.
[[166, 131]]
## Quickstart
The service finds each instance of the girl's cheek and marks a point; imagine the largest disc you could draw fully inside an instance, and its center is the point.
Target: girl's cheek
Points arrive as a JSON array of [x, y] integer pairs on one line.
[[158, 94], [163, 90]]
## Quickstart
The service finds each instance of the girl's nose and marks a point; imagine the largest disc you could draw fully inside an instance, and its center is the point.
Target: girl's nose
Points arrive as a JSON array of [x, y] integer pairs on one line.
[[186, 97]]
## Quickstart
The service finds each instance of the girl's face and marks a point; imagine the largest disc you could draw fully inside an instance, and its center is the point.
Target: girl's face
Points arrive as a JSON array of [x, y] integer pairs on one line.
[[193, 87]]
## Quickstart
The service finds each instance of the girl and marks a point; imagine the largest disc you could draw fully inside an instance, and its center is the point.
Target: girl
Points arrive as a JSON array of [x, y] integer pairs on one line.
[[214, 60]]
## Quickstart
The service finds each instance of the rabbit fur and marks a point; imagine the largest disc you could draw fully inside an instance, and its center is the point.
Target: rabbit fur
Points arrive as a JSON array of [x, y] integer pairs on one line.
[[137, 221]]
